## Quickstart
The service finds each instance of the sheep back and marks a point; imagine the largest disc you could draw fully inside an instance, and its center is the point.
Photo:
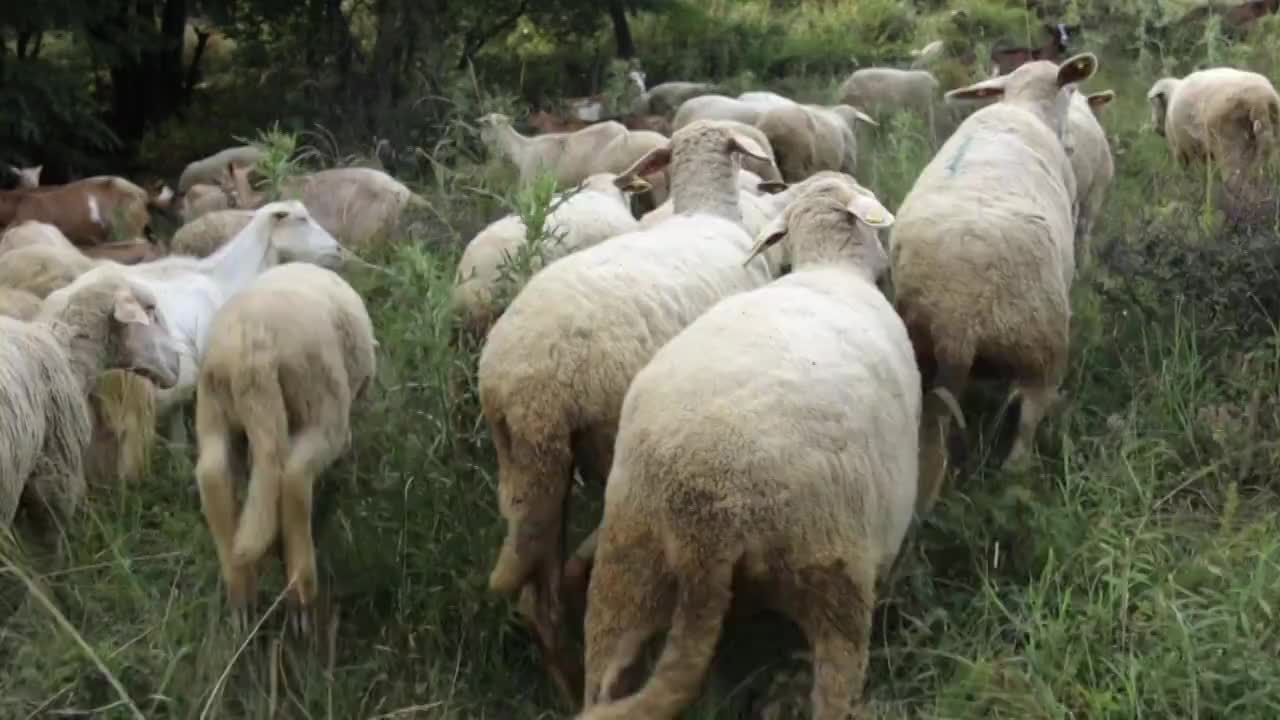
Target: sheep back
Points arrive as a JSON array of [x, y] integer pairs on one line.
[[982, 248]]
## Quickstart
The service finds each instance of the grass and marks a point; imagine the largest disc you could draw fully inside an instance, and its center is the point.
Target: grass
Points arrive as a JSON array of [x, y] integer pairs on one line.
[[1134, 572]]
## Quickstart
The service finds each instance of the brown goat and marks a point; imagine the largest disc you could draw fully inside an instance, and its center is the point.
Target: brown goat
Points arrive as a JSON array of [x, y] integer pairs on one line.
[[92, 211]]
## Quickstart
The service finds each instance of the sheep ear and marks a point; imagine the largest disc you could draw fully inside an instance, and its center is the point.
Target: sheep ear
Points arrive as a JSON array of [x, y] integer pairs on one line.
[[128, 311], [869, 210], [1077, 69], [653, 161], [742, 144], [773, 187], [768, 237], [985, 90], [1099, 100]]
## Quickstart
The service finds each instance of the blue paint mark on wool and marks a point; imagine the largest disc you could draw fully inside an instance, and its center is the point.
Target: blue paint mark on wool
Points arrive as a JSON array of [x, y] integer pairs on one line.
[[960, 153]]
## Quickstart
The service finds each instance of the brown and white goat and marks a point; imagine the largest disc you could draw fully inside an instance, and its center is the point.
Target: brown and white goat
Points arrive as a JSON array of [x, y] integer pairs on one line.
[[90, 212]]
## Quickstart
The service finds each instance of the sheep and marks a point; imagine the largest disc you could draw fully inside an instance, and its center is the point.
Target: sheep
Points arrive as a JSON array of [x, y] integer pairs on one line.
[[556, 364], [190, 290], [716, 107], [89, 211], [624, 150], [982, 253], [767, 169], [18, 304], [595, 211], [202, 236], [765, 99], [201, 199], [39, 259], [209, 170], [358, 206], [665, 98], [772, 442], [48, 367], [758, 208], [32, 232], [288, 386], [42, 269], [1091, 162], [882, 90], [569, 157], [1220, 115], [809, 138]]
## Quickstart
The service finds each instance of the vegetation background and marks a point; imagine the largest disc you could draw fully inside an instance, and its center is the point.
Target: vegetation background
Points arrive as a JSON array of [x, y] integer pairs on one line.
[[1134, 573]]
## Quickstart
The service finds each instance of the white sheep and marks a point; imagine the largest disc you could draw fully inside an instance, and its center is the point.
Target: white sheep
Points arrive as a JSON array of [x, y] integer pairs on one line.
[[765, 99], [287, 358], [809, 138], [593, 212], [190, 290], [33, 232], [569, 157], [759, 203], [18, 304], [48, 367], [772, 441], [716, 107], [983, 253], [1092, 163], [1221, 115], [665, 98], [209, 170], [881, 90], [202, 236], [557, 363]]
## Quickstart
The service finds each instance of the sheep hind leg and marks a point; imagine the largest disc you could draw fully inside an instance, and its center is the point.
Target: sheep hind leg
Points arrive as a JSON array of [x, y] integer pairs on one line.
[[833, 606], [630, 599], [1036, 401], [214, 480], [312, 450], [935, 429]]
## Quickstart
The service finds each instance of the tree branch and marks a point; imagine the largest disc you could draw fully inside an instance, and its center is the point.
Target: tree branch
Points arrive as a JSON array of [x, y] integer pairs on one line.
[[475, 41]]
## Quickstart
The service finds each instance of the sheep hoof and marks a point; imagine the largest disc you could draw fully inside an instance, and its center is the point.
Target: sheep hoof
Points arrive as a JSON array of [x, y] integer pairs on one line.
[[301, 620]]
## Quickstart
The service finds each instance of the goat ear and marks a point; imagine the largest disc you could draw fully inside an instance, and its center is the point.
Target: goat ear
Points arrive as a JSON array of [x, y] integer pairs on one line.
[[772, 187], [768, 237], [869, 210], [1099, 100], [985, 90], [653, 161], [742, 144], [127, 309], [1077, 69]]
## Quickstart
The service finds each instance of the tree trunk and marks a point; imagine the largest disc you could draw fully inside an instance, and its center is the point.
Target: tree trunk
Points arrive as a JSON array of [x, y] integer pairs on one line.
[[193, 70], [621, 30]]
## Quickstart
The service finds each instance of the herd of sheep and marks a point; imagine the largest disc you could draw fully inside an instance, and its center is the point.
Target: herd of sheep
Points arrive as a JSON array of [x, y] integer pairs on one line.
[[705, 334]]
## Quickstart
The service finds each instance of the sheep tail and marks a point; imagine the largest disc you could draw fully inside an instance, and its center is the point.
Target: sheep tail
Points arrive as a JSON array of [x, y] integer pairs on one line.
[[260, 405], [703, 601]]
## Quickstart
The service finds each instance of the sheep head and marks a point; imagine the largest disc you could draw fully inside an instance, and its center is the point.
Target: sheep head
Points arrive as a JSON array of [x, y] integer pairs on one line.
[[823, 220], [142, 341], [1158, 96], [695, 134]]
